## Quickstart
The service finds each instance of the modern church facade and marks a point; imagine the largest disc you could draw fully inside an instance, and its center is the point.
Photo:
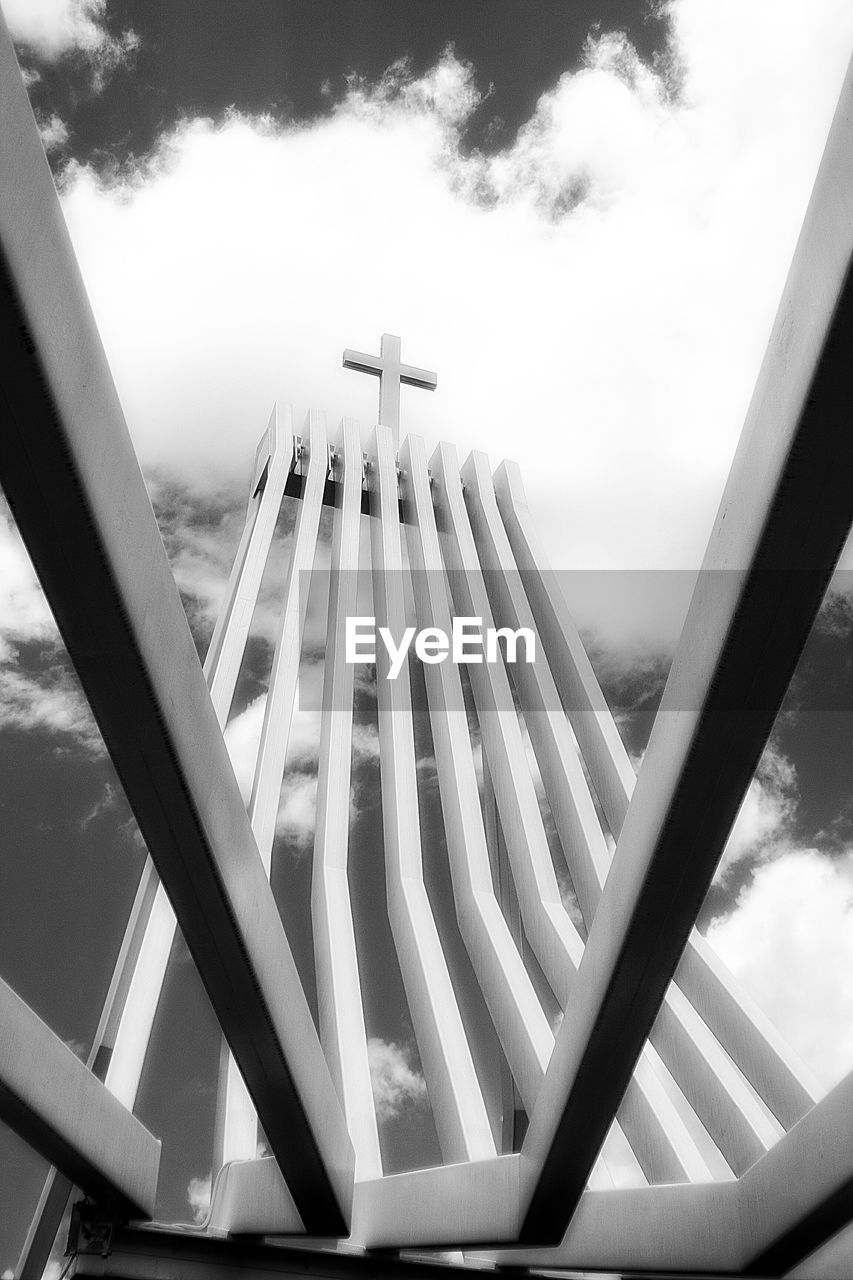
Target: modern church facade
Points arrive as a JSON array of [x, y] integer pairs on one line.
[[622, 1040]]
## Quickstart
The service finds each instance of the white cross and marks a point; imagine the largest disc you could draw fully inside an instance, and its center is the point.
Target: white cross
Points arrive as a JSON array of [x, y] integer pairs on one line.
[[391, 373]]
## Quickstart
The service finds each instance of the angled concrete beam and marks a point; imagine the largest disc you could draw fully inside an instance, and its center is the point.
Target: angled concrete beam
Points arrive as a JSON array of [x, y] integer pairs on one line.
[[782, 522], [70, 474], [801, 1193], [831, 1260], [792, 1202], [679, 1229], [124, 1029], [55, 1103], [741, 1029], [735, 1119], [473, 1202], [151, 1254]]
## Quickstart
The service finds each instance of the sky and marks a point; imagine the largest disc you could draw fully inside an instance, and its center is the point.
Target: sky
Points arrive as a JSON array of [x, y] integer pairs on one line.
[[581, 216]]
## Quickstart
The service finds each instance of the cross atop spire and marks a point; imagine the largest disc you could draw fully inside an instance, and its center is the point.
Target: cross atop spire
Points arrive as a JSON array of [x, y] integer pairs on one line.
[[391, 373]]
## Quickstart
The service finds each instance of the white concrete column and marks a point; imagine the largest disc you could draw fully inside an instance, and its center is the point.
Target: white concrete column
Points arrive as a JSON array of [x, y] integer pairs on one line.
[[523, 1029], [569, 799], [460, 1113], [284, 676], [236, 1136], [342, 1032], [273, 459], [663, 1154]]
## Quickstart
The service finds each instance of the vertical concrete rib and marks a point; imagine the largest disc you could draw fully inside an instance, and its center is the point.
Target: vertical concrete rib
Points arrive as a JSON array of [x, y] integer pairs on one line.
[[523, 1029], [663, 1154], [555, 940], [713, 995], [731, 1113], [569, 798], [236, 1123], [342, 1032], [132, 1026], [228, 643], [124, 1029], [275, 733], [458, 1107], [221, 668]]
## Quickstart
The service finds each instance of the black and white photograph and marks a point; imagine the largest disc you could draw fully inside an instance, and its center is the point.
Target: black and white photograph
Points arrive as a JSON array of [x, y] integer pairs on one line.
[[426, 639]]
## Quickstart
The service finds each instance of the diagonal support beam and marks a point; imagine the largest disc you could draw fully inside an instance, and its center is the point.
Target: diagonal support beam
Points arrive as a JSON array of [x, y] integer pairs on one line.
[[782, 522], [740, 1028], [124, 1029], [55, 1103], [70, 474]]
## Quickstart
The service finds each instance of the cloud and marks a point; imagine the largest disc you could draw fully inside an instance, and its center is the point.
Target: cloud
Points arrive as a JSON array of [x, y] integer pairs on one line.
[[765, 815], [24, 612], [397, 1086], [789, 940], [106, 801], [630, 247], [243, 734], [38, 690], [53, 131], [52, 29], [297, 806], [365, 742], [198, 1196], [50, 700], [297, 810]]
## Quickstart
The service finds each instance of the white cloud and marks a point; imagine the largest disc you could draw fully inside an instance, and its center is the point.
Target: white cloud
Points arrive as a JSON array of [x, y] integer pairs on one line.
[[298, 803], [765, 815], [52, 701], [46, 696], [297, 810], [52, 29], [789, 941], [397, 1087], [198, 1196], [24, 612], [619, 340], [53, 131], [106, 801], [365, 742], [243, 734], [8, 1274]]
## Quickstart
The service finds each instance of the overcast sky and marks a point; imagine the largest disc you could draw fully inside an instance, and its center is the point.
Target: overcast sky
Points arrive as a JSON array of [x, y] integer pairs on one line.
[[581, 216]]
